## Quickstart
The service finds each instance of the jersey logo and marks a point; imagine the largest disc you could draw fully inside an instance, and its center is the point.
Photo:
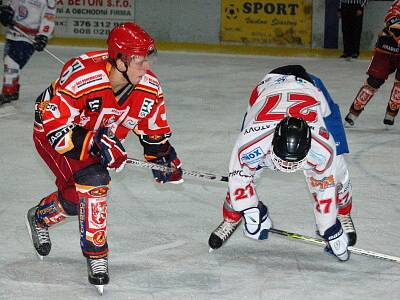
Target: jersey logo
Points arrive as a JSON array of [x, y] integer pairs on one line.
[[22, 13], [252, 156], [53, 108], [324, 133], [94, 104], [130, 122], [146, 107]]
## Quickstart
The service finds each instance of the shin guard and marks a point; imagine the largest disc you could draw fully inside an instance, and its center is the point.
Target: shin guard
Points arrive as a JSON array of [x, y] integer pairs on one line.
[[394, 102], [93, 220], [364, 95], [50, 211]]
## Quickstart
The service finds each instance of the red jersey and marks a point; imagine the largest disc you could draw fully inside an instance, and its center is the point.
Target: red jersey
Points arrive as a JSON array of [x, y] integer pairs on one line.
[[81, 101]]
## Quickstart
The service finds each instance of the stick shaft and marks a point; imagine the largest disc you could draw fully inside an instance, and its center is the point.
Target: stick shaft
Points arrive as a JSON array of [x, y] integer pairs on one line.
[[288, 234], [316, 241], [153, 166], [32, 40]]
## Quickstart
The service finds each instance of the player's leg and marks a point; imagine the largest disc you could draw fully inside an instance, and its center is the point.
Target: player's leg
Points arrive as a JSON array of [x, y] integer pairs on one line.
[[345, 199], [380, 68], [393, 106], [57, 206], [231, 220], [331, 230], [50, 211], [16, 55], [92, 186], [256, 223]]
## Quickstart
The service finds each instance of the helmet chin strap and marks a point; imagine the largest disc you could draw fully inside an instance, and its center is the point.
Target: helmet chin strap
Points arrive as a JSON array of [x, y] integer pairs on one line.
[[124, 73]]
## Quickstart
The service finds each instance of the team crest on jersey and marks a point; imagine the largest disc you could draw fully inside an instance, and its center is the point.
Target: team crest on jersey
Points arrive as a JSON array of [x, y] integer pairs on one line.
[[252, 156], [94, 104], [22, 13], [146, 107]]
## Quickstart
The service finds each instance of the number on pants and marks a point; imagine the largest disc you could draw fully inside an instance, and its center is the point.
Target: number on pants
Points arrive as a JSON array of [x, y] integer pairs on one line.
[[300, 109]]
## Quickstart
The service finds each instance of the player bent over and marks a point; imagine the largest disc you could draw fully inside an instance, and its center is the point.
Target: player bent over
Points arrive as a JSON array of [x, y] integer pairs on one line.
[[385, 61], [81, 121], [284, 130]]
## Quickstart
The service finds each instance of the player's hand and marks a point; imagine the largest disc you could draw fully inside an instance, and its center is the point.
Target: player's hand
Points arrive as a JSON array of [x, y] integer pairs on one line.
[[171, 160], [112, 153], [6, 15], [40, 42]]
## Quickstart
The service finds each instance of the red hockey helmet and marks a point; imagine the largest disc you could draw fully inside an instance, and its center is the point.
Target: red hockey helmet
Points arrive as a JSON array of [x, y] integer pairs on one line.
[[129, 39], [392, 16]]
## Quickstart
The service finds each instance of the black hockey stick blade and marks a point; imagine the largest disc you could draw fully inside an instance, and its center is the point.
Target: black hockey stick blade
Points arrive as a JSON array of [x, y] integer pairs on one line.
[[316, 241]]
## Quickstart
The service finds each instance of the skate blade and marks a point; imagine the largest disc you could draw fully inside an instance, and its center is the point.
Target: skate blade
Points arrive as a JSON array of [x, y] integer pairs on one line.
[[347, 125], [211, 250], [30, 236], [100, 289]]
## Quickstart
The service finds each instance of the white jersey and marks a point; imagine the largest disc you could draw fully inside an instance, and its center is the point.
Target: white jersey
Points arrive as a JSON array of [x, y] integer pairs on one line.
[[32, 17], [276, 97]]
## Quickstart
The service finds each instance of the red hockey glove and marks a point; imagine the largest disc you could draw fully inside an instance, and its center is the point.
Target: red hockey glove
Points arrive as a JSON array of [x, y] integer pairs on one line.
[[168, 159], [112, 153]]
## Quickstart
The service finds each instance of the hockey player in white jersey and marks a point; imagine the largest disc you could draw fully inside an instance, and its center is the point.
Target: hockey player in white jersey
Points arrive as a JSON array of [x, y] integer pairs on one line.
[[284, 130], [36, 19]]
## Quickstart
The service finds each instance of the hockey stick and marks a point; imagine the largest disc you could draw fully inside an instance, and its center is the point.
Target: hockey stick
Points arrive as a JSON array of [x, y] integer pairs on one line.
[[153, 166], [297, 236], [316, 241], [32, 40]]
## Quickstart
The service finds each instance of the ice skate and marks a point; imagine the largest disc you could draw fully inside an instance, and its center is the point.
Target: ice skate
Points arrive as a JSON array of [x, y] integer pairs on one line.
[[98, 273], [223, 232], [7, 98], [349, 120], [39, 234], [390, 115], [348, 228]]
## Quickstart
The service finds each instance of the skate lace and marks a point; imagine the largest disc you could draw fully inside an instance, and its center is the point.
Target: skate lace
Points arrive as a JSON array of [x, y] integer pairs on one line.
[[42, 234], [225, 229], [98, 265], [347, 223]]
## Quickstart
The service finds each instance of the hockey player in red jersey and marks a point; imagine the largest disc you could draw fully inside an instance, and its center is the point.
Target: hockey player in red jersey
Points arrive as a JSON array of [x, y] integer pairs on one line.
[[34, 18], [386, 60], [284, 129], [81, 121]]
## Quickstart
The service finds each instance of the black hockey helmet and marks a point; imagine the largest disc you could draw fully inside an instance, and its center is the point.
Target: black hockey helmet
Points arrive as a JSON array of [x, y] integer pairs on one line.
[[290, 144], [295, 70]]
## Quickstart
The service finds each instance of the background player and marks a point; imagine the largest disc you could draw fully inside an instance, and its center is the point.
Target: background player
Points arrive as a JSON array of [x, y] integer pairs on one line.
[[81, 120], [385, 61], [36, 19], [288, 112]]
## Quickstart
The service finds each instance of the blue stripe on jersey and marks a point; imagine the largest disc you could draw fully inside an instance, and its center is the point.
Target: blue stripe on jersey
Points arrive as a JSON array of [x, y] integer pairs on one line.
[[333, 122]]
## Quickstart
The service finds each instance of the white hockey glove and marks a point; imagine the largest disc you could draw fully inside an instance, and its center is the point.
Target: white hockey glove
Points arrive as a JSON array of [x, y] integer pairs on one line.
[[337, 241], [257, 222]]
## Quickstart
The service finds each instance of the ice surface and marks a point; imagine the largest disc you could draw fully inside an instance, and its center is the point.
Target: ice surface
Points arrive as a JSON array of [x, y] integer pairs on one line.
[[158, 233]]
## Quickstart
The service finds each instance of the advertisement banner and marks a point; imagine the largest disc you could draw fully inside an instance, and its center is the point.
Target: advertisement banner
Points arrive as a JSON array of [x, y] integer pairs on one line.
[[284, 23], [91, 18]]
